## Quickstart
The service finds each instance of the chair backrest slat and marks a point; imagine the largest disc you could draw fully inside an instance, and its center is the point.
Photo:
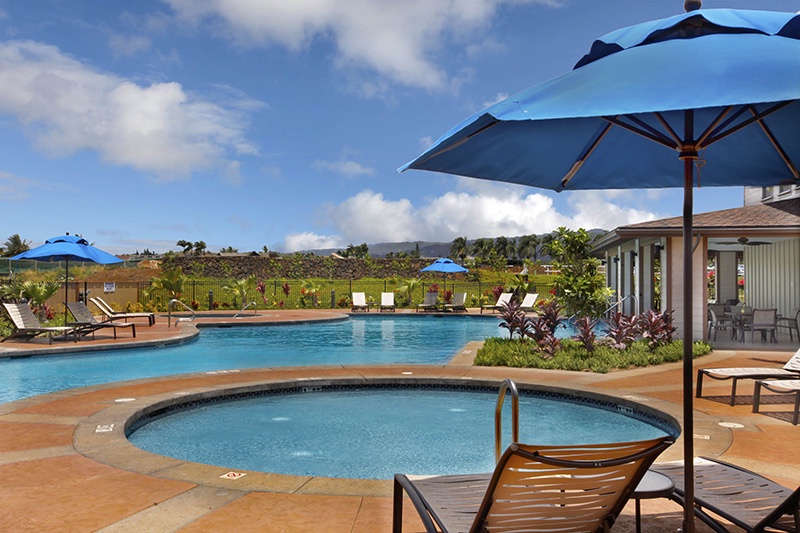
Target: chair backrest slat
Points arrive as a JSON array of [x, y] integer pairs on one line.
[[22, 316]]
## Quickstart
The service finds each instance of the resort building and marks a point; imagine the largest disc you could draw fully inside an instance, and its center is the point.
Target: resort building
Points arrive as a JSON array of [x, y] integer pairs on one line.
[[749, 254]]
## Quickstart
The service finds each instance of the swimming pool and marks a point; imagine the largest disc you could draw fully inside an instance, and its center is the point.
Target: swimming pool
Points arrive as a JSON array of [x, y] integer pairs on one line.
[[376, 339], [421, 430]]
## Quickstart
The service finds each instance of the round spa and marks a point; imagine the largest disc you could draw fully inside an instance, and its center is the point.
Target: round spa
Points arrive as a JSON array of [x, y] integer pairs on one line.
[[372, 431]]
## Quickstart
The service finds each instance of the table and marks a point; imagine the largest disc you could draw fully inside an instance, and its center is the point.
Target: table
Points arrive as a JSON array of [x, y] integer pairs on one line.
[[652, 485]]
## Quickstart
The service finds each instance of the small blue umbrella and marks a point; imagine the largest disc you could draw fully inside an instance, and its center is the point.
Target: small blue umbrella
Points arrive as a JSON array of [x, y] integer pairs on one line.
[[446, 266], [716, 89], [68, 248]]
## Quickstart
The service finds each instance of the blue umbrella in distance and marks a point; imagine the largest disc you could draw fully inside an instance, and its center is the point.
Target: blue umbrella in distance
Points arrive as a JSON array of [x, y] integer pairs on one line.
[[446, 266], [648, 104], [68, 248]]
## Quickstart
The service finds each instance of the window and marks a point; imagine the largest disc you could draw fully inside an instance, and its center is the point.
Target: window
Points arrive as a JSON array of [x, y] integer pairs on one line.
[[766, 192]]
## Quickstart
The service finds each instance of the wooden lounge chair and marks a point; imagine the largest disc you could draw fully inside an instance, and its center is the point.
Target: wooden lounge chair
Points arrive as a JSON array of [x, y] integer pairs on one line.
[[430, 302], [359, 302], [387, 302], [501, 302], [28, 326], [529, 301], [86, 323], [458, 303], [743, 498], [110, 314], [791, 370], [565, 489]]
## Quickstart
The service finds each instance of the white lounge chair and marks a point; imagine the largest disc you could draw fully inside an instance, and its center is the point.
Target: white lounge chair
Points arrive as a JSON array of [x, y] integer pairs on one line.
[[28, 326], [111, 315], [529, 301], [458, 303], [779, 386], [359, 302], [791, 370], [387, 302], [430, 302], [501, 302]]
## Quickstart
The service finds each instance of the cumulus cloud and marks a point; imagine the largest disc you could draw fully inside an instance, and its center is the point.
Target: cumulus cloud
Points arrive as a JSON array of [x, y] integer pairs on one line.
[[396, 40], [66, 106], [486, 209]]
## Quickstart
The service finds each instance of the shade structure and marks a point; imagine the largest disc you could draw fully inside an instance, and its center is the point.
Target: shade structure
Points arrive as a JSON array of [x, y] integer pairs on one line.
[[715, 90], [446, 265], [68, 248]]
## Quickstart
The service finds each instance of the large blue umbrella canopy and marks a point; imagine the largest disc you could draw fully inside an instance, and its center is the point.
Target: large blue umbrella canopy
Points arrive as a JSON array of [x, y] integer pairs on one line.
[[68, 248], [711, 88], [446, 265]]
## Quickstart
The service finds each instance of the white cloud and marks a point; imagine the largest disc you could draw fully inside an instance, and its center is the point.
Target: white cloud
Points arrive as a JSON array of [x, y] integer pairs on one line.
[[349, 169], [67, 106], [128, 45], [483, 209], [399, 41], [310, 241]]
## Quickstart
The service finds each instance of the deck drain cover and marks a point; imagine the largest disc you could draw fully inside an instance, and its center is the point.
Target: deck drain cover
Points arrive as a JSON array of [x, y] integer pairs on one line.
[[732, 425], [123, 400]]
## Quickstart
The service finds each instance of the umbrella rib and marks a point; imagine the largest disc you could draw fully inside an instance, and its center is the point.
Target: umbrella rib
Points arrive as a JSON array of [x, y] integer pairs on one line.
[[457, 144], [778, 147], [720, 133], [645, 130], [585, 155]]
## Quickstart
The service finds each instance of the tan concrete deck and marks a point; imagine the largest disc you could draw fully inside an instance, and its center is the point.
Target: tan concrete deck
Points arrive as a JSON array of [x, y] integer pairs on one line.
[[64, 468]]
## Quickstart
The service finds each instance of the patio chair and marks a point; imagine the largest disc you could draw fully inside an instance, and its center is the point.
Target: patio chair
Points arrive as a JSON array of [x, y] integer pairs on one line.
[[430, 302], [717, 322], [580, 487], [791, 370], [791, 322], [529, 301], [111, 315], [86, 323], [742, 497], [28, 326], [359, 302], [387, 302], [458, 303], [765, 321], [500, 304], [779, 386]]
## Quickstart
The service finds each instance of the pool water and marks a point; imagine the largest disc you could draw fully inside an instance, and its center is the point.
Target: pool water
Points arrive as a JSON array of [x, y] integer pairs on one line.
[[376, 339], [419, 431]]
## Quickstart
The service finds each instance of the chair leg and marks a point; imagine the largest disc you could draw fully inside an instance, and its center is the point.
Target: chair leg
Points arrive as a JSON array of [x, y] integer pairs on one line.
[[699, 393]]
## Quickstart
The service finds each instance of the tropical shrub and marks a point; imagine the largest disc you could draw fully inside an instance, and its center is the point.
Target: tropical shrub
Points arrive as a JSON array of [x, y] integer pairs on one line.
[[656, 328], [514, 319], [585, 332], [622, 330]]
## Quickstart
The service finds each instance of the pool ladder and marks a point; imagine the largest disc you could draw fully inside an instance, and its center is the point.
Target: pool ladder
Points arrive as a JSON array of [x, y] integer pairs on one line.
[[182, 319], [507, 385]]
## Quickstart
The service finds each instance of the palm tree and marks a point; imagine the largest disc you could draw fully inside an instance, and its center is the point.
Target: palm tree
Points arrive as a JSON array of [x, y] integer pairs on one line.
[[199, 247], [15, 245], [505, 247], [459, 248], [170, 281], [527, 247], [186, 245], [481, 248]]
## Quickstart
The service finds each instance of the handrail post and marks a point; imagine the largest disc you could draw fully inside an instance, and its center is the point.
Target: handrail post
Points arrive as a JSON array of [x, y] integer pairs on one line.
[[169, 313], [498, 418]]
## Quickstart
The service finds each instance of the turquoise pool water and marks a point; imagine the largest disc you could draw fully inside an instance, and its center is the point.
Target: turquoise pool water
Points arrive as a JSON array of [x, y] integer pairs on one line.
[[375, 433], [376, 339]]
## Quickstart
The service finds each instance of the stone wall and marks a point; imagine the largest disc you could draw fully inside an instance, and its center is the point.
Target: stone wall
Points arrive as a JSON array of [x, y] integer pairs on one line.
[[295, 267]]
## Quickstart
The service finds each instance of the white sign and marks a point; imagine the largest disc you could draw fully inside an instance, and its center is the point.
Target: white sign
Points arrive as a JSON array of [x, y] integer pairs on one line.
[[109, 287]]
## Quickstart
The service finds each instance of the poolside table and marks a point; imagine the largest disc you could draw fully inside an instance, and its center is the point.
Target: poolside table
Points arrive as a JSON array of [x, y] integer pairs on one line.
[[653, 485]]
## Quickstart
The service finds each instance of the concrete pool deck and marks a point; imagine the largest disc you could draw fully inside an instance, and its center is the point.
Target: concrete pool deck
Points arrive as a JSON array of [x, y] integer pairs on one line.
[[66, 465]]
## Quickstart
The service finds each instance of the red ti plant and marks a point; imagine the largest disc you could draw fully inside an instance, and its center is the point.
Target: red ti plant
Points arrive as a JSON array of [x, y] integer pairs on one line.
[[286, 288], [497, 291], [586, 336], [448, 296], [261, 287], [434, 287]]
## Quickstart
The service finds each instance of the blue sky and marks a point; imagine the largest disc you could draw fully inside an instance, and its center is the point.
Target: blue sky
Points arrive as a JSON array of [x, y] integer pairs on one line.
[[251, 123]]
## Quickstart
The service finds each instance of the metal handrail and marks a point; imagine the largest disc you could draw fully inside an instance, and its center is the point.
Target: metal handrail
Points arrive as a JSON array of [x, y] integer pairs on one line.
[[243, 309], [620, 302], [180, 319], [498, 419]]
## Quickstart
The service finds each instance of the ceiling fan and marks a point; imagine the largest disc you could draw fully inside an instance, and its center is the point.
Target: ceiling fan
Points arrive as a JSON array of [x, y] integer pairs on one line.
[[744, 241]]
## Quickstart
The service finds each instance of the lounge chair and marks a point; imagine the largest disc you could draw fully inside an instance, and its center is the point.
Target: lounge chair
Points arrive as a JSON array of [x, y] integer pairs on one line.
[[28, 326], [111, 315], [359, 302], [779, 386], [86, 323], [529, 301], [387, 302], [499, 304], [533, 488], [743, 498], [791, 322], [430, 302], [458, 303], [791, 370]]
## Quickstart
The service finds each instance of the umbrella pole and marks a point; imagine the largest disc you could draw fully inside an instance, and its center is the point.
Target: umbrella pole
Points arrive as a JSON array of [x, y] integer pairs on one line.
[[66, 289], [688, 326]]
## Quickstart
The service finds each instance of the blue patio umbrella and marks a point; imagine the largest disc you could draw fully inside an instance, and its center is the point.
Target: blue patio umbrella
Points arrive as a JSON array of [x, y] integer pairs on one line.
[[446, 266], [68, 248], [714, 89]]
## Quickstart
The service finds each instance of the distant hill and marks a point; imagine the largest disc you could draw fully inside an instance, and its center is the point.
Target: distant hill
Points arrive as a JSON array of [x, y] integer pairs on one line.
[[426, 249]]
